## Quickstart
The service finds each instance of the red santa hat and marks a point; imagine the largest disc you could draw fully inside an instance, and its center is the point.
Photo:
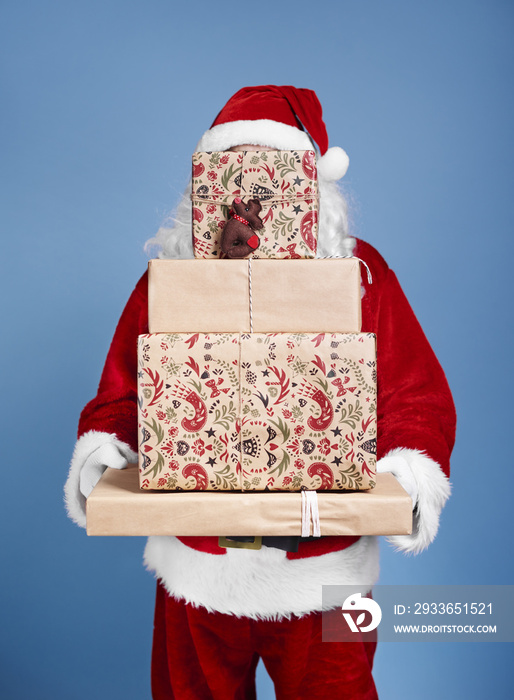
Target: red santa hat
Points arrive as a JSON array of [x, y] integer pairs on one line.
[[277, 116]]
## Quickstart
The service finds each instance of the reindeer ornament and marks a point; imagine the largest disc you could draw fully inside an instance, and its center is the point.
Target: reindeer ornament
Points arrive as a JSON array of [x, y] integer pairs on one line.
[[238, 239]]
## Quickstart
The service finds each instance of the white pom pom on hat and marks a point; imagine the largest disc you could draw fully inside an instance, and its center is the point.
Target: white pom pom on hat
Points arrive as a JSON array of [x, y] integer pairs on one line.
[[281, 117], [334, 164]]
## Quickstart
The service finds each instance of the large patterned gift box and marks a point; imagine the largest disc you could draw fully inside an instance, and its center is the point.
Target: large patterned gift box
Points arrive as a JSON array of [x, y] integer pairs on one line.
[[259, 411], [285, 182]]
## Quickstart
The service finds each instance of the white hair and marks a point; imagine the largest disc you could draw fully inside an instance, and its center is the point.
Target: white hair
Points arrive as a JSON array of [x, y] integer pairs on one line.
[[174, 239]]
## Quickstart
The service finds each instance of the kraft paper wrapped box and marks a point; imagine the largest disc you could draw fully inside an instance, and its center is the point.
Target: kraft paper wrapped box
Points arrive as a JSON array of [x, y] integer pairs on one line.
[[291, 296], [259, 411], [285, 182], [118, 507]]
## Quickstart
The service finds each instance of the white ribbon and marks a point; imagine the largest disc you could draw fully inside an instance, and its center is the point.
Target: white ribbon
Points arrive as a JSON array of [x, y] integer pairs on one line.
[[310, 513]]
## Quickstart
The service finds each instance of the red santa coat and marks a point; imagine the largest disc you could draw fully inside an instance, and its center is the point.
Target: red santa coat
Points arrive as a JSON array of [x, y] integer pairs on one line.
[[416, 419]]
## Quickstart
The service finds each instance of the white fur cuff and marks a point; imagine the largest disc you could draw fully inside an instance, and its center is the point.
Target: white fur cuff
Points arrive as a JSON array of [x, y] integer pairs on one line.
[[433, 492], [84, 448]]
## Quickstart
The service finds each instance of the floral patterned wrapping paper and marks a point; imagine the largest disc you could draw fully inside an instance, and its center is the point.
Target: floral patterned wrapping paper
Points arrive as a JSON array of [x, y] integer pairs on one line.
[[286, 184], [262, 411]]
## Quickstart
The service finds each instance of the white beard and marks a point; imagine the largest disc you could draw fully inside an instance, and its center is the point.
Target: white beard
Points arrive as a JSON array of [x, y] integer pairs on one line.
[[174, 239]]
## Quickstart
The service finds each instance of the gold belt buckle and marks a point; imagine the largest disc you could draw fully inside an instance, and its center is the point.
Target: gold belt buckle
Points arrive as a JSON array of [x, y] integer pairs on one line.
[[226, 542]]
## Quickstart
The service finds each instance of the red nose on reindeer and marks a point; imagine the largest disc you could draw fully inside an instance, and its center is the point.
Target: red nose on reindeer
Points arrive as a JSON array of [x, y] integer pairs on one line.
[[237, 200]]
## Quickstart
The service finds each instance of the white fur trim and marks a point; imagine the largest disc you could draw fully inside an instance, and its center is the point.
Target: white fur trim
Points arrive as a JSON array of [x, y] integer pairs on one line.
[[399, 467], [260, 584], [258, 132], [433, 492], [333, 164], [84, 448]]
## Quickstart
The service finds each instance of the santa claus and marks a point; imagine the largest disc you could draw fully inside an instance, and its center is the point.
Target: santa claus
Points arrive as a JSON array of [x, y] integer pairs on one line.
[[219, 610]]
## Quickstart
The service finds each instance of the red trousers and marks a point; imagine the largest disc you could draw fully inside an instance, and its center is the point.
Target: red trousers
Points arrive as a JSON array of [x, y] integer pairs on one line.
[[199, 655]]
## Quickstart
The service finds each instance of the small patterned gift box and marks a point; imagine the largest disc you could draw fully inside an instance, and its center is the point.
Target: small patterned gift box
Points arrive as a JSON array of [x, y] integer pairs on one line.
[[286, 184], [259, 411]]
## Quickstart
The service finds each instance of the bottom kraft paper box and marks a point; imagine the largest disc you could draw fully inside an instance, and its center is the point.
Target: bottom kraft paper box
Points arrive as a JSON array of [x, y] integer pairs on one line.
[[118, 507]]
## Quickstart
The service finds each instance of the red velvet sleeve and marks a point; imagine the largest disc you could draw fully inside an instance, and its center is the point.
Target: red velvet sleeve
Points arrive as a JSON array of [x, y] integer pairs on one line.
[[114, 408], [415, 405]]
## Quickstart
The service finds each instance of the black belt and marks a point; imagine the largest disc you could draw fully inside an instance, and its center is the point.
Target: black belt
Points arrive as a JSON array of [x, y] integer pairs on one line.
[[286, 544]]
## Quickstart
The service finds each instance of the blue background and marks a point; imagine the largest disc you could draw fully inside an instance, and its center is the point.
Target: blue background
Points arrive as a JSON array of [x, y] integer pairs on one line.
[[102, 104]]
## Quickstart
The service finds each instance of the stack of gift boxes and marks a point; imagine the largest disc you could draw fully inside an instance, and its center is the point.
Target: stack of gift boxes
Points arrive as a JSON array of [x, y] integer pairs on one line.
[[255, 375]]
